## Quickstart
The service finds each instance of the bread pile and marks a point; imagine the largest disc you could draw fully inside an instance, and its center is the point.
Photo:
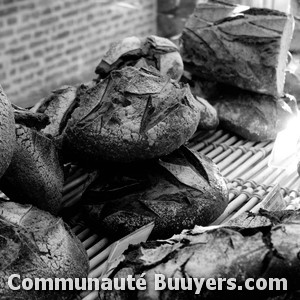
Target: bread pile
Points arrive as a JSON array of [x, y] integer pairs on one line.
[[131, 124], [133, 121], [265, 246], [33, 242], [242, 52]]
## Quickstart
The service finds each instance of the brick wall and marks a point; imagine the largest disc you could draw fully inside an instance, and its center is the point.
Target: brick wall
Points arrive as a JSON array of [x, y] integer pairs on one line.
[[47, 43]]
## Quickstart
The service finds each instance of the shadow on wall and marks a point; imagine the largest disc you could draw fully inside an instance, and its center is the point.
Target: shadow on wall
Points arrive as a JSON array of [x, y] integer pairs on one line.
[[46, 44]]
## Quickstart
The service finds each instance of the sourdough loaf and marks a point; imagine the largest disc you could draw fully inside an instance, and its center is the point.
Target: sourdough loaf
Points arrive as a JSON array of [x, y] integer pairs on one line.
[[34, 244], [7, 132], [155, 51], [35, 174], [265, 251], [57, 106], [175, 192], [134, 114], [242, 46], [254, 116]]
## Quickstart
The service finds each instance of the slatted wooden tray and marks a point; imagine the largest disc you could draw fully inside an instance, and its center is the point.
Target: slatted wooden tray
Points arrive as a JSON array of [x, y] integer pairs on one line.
[[243, 163]]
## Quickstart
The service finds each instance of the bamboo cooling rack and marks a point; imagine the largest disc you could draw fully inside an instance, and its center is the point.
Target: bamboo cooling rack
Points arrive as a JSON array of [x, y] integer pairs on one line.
[[243, 163]]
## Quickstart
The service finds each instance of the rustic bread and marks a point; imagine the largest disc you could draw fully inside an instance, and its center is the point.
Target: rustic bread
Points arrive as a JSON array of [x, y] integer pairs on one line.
[[57, 106], [7, 132], [35, 174], [254, 116], [268, 250], [134, 114], [176, 192], [155, 51], [238, 45], [34, 244], [208, 115]]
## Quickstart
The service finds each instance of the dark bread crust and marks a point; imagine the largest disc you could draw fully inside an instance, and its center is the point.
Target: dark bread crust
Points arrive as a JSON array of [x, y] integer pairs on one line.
[[57, 106], [35, 174], [155, 51], [254, 116], [237, 45], [35, 244], [178, 191], [270, 250], [7, 132], [134, 114]]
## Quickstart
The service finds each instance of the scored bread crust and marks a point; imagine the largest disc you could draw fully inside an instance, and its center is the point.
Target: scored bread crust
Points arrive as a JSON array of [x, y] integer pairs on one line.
[[134, 114], [35, 173], [35, 244], [176, 192], [7, 132], [254, 116], [238, 45], [266, 250], [57, 106]]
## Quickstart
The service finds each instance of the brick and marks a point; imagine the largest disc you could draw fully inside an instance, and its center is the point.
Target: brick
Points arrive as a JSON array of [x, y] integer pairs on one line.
[[13, 51], [20, 59], [6, 33], [50, 20], [12, 21], [38, 43], [62, 35], [29, 66], [70, 13], [3, 76], [40, 33], [25, 37], [8, 11], [73, 49]]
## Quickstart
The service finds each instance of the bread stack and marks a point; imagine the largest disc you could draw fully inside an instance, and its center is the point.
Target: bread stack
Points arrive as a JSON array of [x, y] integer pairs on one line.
[[244, 51], [33, 242]]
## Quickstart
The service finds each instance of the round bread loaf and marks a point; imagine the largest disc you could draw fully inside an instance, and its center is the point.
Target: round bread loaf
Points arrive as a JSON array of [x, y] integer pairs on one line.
[[134, 114], [34, 244], [155, 51], [175, 192], [7, 132]]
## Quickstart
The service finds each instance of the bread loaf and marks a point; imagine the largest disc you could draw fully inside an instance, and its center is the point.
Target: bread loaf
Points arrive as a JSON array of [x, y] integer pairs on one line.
[[254, 116], [241, 46], [176, 192], [134, 114], [35, 174], [155, 51], [57, 106], [7, 132], [34, 244], [266, 251]]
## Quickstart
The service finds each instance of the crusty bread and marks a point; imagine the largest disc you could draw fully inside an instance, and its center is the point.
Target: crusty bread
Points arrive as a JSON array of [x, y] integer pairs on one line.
[[35, 174], [35, 244], [254, 116], [7, 132], [134, 114], [57, 106], [155, 51], [266, 252], [176, 192], [238, 45]]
